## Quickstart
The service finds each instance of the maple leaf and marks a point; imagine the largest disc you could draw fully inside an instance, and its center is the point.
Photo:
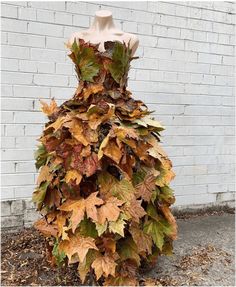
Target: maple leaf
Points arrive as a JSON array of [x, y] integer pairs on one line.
[[166, 174], [157, 227], [59, 256], [57, 124], [90, 164], [120, 61], [123, 190], [119, 225], [166, 194], [40, 156], [49, 109], [77, 245], [92, 89], [84, 267], [73, 175], [85, 59], [105, 181], [40, 193], [142, 240], [76, 128], [91, 203], [78, 208], [44, 175], [129, 250], [144, 188], [110, 210], [45, 228], [104, 265], [134, 209], [171, 219]]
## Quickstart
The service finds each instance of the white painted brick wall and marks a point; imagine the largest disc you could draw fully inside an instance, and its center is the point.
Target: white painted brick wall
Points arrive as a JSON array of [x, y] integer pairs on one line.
[[185, 73]]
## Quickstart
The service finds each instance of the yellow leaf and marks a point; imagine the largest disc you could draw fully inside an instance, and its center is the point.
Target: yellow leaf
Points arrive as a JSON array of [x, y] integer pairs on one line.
[[92, 89], [73, 175]]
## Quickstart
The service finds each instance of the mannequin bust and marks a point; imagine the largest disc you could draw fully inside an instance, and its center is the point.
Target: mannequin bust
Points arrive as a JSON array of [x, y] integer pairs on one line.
[[103, 29]]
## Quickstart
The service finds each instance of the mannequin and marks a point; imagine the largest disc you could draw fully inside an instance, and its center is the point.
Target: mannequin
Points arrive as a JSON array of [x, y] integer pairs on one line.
[[103, 29]]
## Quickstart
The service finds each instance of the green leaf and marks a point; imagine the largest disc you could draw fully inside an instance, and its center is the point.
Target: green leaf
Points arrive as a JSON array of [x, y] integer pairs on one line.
[[123, 190], [88, 228], [59, 256], [129, 250], [119, 225], [120, 61], [157, 226], [86, 62], [101, 228], [167, 194], [152, 228], [41, 156], [40, 193]]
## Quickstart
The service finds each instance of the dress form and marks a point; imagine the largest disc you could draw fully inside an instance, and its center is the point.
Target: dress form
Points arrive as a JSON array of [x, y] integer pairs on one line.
[[103, 29]]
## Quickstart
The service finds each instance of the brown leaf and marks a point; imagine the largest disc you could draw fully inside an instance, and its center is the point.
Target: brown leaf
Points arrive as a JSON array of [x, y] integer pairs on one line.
[[77, 245], [91, 203], [91, 164], [104, 265], [45, 228], [76, 128], [135, 209], [142, 240], [170, 218], [145, 188], [109, 210], [113, 151], [78, 208], [92, 89], [44, 175]]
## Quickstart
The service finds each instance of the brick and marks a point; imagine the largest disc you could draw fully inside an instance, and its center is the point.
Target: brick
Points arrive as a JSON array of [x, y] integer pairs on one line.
[[27, 13], [47, 55], [6, 208], [15, 52], [31, 92], [16, 78], [9, 11], [26, 40], [45, 29], [13, 25], [17, 207], [51, 80], [80, 21]]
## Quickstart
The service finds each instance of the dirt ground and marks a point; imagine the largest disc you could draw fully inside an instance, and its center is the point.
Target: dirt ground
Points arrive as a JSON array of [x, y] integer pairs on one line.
[[203, 255]]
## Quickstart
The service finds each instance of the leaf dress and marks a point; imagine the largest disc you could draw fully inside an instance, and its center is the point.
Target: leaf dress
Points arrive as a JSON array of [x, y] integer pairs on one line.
[[102, 187]]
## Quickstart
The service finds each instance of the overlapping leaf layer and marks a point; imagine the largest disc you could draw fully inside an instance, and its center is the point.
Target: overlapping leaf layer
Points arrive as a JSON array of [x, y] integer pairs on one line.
[[103, 177]]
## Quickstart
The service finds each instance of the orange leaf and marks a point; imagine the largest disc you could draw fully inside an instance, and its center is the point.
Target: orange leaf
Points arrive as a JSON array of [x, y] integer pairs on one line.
[[45, 228], [76, 129], [92, 89], [104, 265], [109, 210], [73, 175], [77, 245], [44, 175], [49, 109]]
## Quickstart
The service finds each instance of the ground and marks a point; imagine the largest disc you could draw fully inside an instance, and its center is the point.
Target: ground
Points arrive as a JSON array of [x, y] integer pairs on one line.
[[203, 255]]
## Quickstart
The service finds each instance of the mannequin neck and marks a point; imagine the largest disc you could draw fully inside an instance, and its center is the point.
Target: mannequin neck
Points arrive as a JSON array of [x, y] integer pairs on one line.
[[102, 21]]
